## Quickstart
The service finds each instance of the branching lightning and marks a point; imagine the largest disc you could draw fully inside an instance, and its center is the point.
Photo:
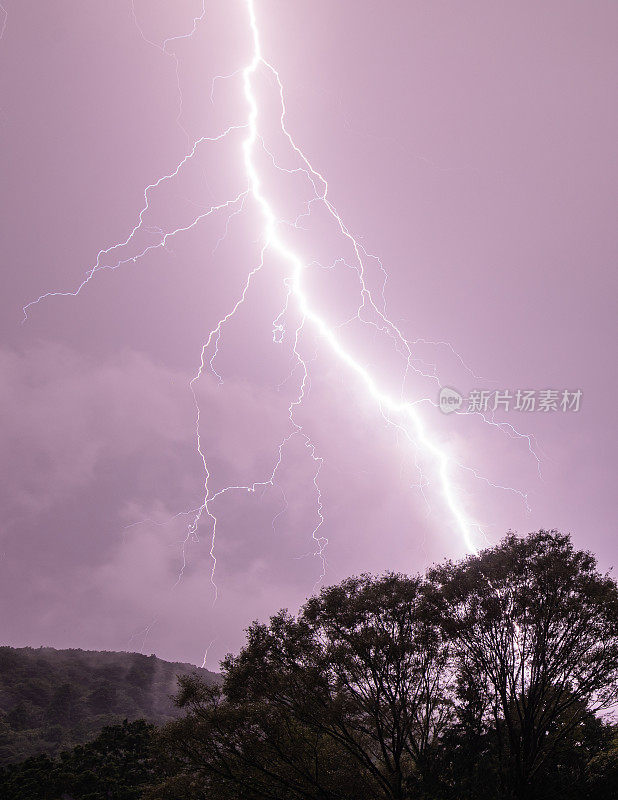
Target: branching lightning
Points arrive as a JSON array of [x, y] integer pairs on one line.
[[402, 413]]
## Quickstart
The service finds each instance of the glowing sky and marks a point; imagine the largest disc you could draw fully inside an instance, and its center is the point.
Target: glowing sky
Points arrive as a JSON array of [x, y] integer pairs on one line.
[[469, 146]]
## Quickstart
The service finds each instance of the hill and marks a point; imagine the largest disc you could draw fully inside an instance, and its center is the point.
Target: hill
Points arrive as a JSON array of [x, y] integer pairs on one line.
[[53, 699]]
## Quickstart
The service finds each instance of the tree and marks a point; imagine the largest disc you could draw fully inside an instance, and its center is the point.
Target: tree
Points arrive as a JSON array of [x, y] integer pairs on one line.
[[347, 700], [535, 629]]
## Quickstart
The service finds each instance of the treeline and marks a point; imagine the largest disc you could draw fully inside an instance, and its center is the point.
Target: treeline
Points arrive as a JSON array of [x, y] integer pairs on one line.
[[493, 677], [53, 699]]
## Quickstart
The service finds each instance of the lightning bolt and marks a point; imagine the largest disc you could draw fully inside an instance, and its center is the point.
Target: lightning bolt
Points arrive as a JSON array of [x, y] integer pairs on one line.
[[400, 412], [163, 47], [5, 19]]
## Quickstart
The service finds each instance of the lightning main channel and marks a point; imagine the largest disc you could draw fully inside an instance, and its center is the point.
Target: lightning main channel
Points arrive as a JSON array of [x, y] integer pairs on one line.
[[388, 405], [401, 414]]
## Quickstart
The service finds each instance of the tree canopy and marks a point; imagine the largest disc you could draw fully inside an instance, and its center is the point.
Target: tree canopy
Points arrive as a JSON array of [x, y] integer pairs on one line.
[[483, 678]]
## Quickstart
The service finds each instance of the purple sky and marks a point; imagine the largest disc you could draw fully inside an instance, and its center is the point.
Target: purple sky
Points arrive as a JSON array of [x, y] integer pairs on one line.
[[470, 145]]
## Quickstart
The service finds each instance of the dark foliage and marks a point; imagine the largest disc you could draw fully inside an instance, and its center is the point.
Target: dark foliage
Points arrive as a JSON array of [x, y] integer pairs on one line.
[[482, 680], [115, 766], [53, 699]]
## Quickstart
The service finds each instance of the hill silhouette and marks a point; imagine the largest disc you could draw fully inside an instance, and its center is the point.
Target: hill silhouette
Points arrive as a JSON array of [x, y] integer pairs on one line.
[[53, 699]]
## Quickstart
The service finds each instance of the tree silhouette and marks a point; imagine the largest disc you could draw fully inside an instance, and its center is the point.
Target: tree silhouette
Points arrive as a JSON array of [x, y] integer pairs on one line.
[[535, 630]]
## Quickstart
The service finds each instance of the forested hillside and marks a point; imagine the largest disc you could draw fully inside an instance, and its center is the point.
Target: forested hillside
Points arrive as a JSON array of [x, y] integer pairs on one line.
[[53, 699]]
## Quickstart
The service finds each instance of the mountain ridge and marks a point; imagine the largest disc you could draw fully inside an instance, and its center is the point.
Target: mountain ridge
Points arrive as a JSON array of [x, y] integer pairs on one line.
[[52, 699]]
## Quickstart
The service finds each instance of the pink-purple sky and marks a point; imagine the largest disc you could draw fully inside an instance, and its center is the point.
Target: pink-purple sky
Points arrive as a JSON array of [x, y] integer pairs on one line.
[[470, 145]]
